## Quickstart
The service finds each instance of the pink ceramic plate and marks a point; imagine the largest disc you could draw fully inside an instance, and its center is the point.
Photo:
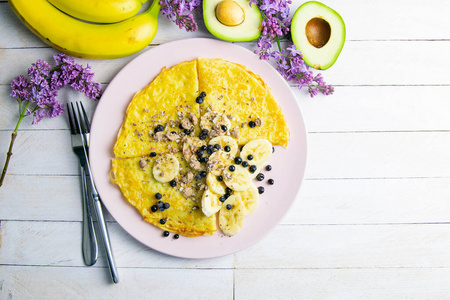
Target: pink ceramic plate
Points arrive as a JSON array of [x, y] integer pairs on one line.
[[288, 164]]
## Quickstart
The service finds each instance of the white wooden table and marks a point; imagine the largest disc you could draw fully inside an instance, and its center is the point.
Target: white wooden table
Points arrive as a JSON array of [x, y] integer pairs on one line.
[[372, 218]]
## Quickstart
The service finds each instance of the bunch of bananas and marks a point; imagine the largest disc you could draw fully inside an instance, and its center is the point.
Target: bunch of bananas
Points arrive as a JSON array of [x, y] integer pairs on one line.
[[90, 28]]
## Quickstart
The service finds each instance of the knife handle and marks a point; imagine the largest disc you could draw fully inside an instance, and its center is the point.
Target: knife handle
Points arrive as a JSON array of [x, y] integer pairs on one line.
[[105, 238], [89, 240]]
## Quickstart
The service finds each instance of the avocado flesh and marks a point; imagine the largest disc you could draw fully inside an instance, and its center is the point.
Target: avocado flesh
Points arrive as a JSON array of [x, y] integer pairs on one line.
[[247, 30], [319, 33]]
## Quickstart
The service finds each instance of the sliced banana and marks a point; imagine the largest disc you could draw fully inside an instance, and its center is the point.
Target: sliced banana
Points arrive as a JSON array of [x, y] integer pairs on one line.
[[237, 180], [212, 119], [166, 168], [214, 185], [210, 203], [190, 146], [250, 199], [226, 140], [219, 161], [231, 220], [260, 149]]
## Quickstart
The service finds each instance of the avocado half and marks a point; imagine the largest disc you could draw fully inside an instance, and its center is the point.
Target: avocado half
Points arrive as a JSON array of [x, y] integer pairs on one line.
[[232, 20], [319, 33]]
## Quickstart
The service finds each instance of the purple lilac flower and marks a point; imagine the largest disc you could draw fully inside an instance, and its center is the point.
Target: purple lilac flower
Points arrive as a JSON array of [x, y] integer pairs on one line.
[[289, 61], [41, 89], [176, 10]]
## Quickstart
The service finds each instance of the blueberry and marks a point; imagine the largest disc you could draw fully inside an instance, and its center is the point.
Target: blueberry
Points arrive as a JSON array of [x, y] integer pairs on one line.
[[228, 191], [204, 160], [205, 132], [229, 206], [152, 154], [203, 94], [173, 132], [159, 128], [180, 126], [251, 124], [224, 128], [252, 169], [166, 233], [162, 221], [222, 199], [198, 176], [250, 157], [199, 99], [203, 147], [200, 152], [237, 160], [202, 137], [176, 236], [226, 196], [158, 196], [271, 182], [187, 132], [166, 205], [217, 146], [260, 190], [227, 148], [160, 203], [173, 183], [268, 167], [220, 178], [162, 209], [210, 147], [232, 168], [210, 151], [260, 177], [203, 173], [154, 208], [245, 164]]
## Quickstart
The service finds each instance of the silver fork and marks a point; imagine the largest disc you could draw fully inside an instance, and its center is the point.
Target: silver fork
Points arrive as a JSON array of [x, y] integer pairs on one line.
[[82, 124], [89, 241]]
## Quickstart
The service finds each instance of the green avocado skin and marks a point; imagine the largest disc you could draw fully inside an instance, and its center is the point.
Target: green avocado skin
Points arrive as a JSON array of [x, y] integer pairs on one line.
[[249, 30], [326, 56]]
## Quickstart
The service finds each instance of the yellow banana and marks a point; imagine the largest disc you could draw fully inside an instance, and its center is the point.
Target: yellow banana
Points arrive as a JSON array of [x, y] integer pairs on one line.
[[87, 40], [99, 11]]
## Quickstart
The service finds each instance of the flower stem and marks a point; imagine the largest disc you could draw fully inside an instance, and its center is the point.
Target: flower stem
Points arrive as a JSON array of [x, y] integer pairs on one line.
[[13, 138]]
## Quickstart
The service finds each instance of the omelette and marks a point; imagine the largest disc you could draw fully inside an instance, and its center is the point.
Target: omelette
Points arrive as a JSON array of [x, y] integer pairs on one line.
[[183, 132]]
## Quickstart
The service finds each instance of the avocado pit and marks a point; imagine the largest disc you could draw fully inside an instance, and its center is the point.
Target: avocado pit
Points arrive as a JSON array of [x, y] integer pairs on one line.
[[318, 32], [229, 13]]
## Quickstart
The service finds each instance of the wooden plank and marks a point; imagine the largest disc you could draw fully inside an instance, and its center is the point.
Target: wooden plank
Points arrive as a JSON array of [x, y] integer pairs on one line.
[[379, 283], [350, 109], [377, 108], [359, 63], [59, 244], [354, 201], [94, 283], [379, 155], [374, 201], [330, 155], [350, 246]]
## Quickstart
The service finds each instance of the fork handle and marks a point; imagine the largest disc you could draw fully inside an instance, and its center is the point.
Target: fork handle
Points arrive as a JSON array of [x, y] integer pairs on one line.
[[89, 241], [105, 238]]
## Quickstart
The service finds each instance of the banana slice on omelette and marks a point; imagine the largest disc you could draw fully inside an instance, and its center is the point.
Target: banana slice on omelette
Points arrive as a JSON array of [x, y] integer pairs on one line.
[[164, 146]]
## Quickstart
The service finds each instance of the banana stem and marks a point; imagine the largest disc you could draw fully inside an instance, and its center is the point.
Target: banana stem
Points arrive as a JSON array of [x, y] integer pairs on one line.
[[154, 8], [11, 144]]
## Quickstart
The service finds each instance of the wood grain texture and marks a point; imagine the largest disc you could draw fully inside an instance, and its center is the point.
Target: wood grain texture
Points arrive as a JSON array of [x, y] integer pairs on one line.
[[371, 220]]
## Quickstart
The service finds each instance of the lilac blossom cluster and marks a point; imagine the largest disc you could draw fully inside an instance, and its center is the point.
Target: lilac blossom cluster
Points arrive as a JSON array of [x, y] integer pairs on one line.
[[41, 87], [289, 61], [176, 10]]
